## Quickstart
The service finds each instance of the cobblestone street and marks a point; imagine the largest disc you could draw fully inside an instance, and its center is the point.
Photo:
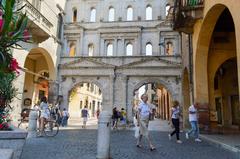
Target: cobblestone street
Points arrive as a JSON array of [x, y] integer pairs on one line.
[[79, 143]]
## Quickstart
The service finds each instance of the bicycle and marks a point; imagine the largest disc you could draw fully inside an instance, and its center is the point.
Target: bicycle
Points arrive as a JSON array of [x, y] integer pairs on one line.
[[51, 126]]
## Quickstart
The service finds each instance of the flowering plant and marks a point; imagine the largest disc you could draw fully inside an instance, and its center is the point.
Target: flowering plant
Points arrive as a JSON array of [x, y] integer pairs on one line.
[[4, 120], [12, 31]]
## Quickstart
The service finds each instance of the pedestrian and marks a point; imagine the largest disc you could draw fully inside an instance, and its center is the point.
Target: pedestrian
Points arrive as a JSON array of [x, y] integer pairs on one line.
[[45, 114], [153, 111], [115, 118], [175, 115], [98, 113], [65, 116], [85, 117], [58, 114], [143, 113], [194, 122], [123, 116]]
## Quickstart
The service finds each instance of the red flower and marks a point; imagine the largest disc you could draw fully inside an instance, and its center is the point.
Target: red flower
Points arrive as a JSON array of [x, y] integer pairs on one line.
[[1, 126], [26, 35], [1, 20], [14, 66]]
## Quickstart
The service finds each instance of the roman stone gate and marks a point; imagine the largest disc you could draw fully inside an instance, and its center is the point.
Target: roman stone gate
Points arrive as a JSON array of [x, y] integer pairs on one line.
[[119, 77]]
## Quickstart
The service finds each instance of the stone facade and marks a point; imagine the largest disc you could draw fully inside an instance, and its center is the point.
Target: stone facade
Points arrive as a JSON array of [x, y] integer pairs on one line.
[[211, 62], [38, 57], [119, 75]]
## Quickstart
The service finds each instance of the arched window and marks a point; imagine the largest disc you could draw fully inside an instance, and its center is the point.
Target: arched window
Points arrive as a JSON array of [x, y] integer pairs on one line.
[[72, 49], [129, 49], [149, 13], [90, 49], [149, 49], [169, 48], [93, 15], [129, 13], [110, 49], [167, 9], [111, 14], [74, 15]]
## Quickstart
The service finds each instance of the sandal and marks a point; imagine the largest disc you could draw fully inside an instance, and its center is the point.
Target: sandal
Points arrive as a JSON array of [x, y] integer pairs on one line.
[[139, 146], [152, 148]]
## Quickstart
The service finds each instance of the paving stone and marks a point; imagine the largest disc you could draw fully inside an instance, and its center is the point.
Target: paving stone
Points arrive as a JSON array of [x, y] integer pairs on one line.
[[81, 144]]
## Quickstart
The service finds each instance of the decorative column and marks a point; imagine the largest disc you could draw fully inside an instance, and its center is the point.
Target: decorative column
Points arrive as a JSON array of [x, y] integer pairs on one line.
[[139, 44], [115, 47], [97, 51], [53, 92], [65, 46], [111, 93], [78, 46], [81, 43], [102, 47]]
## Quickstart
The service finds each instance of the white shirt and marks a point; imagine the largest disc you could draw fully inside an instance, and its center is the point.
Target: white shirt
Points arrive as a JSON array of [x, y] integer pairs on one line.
[[144, 110], [192, 117], [175, 112], [65, 113]]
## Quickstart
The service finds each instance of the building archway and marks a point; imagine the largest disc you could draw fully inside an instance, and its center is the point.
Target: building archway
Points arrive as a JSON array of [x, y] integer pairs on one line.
[[216, 45], [39, 74], [201, 55], [84, 95], [160, 94], [224, 96]]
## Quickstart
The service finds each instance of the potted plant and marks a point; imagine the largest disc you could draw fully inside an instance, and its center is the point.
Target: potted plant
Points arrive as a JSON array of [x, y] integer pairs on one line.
[[13, 25]]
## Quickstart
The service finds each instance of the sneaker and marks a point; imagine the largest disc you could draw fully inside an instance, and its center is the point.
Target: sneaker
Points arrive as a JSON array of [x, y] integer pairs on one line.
[[169, 136], [198, 140], [187, 137], [179, 141]]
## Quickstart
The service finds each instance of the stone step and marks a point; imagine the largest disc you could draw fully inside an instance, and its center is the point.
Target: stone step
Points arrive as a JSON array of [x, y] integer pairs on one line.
[[6, 153]]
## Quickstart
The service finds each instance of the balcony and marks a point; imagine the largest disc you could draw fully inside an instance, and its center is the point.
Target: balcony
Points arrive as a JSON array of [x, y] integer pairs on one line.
[[186, 13], [39, 26]]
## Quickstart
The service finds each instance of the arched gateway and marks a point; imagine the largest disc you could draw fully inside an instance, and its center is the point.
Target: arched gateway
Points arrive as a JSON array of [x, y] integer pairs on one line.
[[118, 78]]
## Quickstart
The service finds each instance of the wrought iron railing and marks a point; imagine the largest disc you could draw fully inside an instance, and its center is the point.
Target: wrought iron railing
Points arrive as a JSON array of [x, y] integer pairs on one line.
[[191, 3], [36, 15], [185, 13]]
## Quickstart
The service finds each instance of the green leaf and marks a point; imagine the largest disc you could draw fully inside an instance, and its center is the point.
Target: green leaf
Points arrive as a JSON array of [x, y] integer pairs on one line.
[[21, 29], [8, 15], [2, 58]]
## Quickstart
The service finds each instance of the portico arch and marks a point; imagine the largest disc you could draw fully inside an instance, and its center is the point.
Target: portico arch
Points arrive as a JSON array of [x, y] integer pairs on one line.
[[84, 94], [70, 83], [159, 81], [39, 75], [216, 44], [168, 85], [201, 55]]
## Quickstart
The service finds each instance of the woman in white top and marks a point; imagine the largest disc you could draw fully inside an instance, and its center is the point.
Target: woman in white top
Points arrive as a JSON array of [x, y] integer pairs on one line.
[[175, 121], [143, 113], [45, 114]]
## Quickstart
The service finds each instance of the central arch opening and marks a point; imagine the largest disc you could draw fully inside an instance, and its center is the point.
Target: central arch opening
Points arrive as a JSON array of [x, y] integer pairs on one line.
[[84, 96], [159, 99]]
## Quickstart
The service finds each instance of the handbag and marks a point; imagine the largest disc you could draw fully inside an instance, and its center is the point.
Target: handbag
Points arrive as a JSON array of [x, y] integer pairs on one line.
[[137, 133]]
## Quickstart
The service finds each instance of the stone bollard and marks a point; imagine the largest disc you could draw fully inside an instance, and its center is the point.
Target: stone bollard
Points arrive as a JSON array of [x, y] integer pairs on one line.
[[32, 124], [103, 140]]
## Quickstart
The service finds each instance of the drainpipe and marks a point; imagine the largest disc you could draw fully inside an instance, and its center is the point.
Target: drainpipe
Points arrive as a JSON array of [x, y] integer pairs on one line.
[[191, 66]]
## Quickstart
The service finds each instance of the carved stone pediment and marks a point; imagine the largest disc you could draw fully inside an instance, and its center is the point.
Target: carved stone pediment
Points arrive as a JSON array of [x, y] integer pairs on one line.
[[151, 62], [85, 63]]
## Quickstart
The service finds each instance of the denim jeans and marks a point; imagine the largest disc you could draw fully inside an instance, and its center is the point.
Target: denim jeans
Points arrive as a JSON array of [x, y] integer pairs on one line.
[[64, 121], [195, 129]]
